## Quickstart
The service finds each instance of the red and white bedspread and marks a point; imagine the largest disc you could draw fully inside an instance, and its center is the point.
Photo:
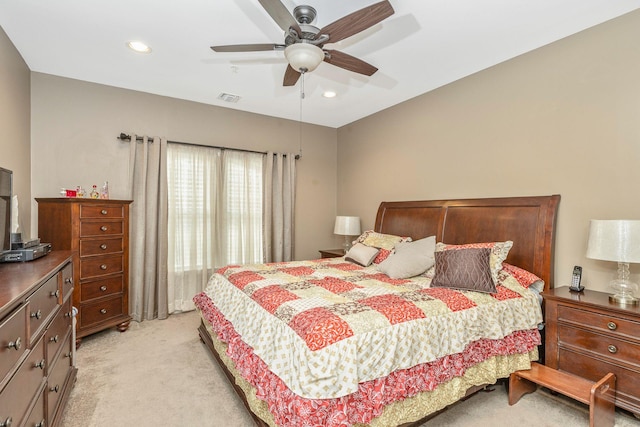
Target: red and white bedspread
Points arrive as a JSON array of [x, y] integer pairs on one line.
[[327, 328]]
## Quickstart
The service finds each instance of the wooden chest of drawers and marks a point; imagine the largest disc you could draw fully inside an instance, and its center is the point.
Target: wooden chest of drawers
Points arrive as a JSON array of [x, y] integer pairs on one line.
[[590, 337], [36, 347], [97, 231]]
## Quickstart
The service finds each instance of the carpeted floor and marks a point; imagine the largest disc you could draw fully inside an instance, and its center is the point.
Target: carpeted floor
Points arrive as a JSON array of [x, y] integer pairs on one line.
[[158, 373]]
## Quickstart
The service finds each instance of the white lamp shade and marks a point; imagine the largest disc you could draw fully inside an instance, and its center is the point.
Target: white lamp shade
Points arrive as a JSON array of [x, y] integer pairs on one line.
[[614, 240], [304, 56], [347, 225]]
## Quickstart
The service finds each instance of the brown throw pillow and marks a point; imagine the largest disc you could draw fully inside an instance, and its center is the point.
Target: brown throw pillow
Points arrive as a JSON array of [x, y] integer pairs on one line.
[[464, 269]]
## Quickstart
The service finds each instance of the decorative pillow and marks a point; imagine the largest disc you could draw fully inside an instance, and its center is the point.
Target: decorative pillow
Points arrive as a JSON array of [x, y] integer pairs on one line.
[[410, 259], [524, 277], [499, 252], [361, 254], [384, 242], [464, 269]]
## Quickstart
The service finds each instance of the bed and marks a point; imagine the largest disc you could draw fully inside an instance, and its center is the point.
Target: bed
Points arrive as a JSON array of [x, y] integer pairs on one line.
[[388, 351]]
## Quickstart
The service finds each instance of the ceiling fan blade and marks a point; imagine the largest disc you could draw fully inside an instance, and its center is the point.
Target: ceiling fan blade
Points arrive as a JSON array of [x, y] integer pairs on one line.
[[291, 76], [281, 15], [247, 47], [357, 21], [348, 62]]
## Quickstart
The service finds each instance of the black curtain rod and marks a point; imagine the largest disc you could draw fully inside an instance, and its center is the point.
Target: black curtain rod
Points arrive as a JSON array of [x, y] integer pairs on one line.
[[124, 137]]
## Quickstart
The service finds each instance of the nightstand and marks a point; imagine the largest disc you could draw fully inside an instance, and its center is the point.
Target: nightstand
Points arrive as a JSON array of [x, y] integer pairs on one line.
[[590, 337], [331, 253]]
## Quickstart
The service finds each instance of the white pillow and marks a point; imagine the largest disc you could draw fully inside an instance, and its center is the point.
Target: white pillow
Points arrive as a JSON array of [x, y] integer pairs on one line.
[[362, 254], [410, 259]]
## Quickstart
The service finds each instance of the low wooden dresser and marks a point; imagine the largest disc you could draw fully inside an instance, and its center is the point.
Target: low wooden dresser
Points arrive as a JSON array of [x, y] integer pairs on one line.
[[590, 337], [37, 368], [97, 231]]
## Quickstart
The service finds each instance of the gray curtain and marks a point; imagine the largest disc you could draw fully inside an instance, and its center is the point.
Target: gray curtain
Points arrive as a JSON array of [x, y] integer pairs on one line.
[[279, 203], [148, 234]]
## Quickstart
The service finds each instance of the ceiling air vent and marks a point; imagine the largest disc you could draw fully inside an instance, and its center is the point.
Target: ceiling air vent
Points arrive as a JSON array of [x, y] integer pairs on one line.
[[227, 97]]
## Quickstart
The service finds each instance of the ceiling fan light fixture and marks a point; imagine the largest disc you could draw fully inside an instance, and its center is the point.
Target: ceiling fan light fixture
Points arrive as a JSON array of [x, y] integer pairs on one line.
[[304, 57], [138, 46]]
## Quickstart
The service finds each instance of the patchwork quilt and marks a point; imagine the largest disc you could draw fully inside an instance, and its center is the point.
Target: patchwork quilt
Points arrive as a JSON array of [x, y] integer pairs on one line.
[[325, 326]]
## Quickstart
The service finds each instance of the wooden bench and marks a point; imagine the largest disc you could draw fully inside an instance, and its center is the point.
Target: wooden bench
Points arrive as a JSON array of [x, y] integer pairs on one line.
[[599, 395]]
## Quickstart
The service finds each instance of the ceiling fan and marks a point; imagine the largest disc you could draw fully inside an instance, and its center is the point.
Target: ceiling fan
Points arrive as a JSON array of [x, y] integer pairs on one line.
[[304, 43]]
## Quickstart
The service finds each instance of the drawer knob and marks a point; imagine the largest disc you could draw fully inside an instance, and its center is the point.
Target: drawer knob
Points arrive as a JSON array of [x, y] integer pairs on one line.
[[56, 293], [68, 280], [103, 311], [7, 422], [103, 246], [55, 389], [103, 211], [612, 349], [103, 288], [54, 339], [612, 326], [41, 424], [36, 314], [103, 267], [39, 364], [103, 228], [17, 344], [68, 354]]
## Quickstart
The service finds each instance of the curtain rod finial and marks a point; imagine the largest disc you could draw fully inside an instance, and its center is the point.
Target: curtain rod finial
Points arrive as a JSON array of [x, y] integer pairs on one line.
[[124, 137]]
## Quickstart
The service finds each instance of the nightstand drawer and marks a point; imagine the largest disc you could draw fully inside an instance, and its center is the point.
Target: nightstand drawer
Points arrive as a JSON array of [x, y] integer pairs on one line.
[[610, 325], [101, 288], [604, 346], [627, 386]]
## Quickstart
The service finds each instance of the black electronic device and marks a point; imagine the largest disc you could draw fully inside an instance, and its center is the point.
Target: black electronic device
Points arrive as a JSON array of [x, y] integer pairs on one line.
[[27, 254], [576, 278], [6, 186]]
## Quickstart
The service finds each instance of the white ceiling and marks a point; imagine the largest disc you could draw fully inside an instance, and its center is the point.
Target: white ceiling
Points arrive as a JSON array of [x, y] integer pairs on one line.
[[424, 45]]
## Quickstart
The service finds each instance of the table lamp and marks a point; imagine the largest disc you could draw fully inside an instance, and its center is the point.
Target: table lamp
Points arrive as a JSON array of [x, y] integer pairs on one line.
[[347, 226], [618, 241]]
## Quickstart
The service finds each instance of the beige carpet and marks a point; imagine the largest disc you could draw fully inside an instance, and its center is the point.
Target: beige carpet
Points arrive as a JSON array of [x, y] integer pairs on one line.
[[158, 373]]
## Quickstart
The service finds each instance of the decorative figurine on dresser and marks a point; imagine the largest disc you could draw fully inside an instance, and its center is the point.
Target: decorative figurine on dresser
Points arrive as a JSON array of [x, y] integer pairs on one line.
[[97, 231]]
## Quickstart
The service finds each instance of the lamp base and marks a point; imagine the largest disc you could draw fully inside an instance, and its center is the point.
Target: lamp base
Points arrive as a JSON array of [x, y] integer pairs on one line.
[[623, 299]]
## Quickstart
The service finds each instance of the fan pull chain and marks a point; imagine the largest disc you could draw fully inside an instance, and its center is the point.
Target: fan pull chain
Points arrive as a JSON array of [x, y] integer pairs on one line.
[[300, 121]]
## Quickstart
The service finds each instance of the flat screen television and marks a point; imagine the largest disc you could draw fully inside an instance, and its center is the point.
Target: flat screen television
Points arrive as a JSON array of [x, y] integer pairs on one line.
[[6, 184]]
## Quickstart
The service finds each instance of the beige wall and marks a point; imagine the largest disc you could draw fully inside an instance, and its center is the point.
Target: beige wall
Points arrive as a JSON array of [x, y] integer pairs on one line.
[[14, 126], [75, 124], [564, 119]]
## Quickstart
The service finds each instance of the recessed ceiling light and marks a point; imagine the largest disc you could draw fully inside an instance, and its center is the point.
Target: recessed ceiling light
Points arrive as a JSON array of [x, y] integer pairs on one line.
[[329, 94], [139, 46]]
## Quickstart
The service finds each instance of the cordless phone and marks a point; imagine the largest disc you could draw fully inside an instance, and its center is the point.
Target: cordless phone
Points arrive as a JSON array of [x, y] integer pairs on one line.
[[576, 277]]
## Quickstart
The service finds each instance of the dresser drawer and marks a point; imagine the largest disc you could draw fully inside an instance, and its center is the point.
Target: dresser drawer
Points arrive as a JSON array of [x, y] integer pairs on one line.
[[57, 378], [13, 341], [101, 288], [627, 385], [100, 266], [67, 282], [42, 305], [100, 228], [101, 311], [101, 211], [610, 325], [59, 328], [602, 345], [15, 398], [107, 245], [36, 417]]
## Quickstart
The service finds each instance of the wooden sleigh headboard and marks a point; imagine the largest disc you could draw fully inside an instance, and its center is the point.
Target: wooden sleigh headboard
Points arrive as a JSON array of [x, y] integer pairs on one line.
[[527, 221]]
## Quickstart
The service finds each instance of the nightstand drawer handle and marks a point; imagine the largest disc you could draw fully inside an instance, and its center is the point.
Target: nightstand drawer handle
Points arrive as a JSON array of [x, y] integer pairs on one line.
[[103, 246], [103, 288], [103, 228], [15, 344], [103, 267], [103, 211], [103, 311], [612, 348], [612, 326]]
